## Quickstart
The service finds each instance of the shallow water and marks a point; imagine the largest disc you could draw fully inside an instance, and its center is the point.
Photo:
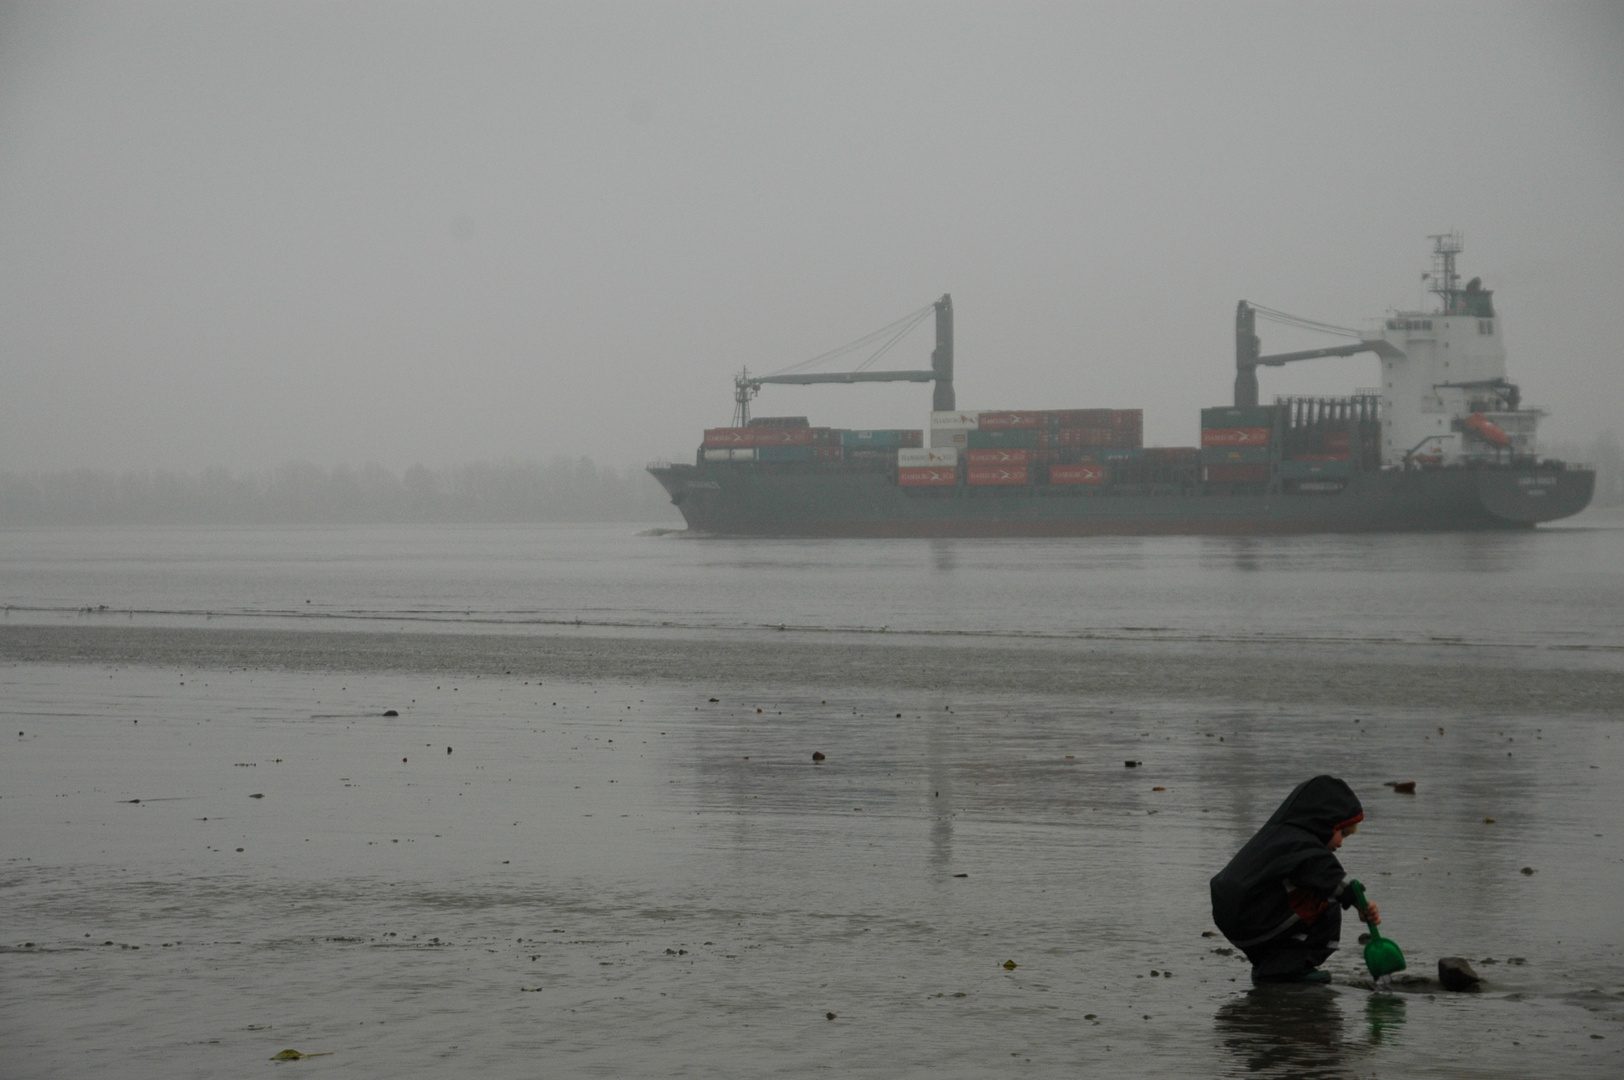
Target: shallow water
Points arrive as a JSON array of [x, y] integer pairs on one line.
[[1554, 588], [611, 875], [638, 881]]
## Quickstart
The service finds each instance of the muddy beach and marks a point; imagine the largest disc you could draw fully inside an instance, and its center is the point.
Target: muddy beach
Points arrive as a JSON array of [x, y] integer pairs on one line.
[[219, 847]]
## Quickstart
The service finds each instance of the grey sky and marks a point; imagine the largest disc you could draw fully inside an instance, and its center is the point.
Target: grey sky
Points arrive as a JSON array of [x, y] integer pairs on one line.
[[233, 234]]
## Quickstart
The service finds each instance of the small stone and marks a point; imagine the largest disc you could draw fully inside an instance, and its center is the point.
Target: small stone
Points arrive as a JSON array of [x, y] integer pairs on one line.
[[448, 749], [1528, 871], [390, 712], [817, 755], [1488, 821], [1456, 974], [1010, 965], [828, 1016], [1402, 787], [257, 795], [1130, 764]]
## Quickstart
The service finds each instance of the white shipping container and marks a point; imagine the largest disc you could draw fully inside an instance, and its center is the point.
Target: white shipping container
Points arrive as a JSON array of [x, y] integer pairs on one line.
[[955, 438], [718, 455], [963, 421], [909, 457], [743, 455]]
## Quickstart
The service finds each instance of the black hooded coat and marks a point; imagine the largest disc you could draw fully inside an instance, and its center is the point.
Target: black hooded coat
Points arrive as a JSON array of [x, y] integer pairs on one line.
[[1285, 876]]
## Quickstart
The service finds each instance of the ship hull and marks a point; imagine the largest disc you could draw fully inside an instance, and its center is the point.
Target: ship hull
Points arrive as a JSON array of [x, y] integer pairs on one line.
[[758, 500]]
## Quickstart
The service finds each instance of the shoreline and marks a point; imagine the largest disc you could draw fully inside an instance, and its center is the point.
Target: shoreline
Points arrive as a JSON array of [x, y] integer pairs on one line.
[[1479, 680]]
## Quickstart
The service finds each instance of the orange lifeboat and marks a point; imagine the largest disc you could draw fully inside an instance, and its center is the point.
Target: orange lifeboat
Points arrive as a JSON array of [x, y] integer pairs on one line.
[[1487, 430]]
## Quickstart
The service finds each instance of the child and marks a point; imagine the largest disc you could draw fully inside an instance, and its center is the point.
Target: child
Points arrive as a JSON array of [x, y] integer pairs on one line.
[[1279, 900]]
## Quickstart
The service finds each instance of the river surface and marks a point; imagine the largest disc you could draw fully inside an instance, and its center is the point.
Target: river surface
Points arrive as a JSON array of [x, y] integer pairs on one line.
[[594, 841]]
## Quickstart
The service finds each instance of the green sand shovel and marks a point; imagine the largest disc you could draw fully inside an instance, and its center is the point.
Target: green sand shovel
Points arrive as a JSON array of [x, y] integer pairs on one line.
[[1382, 955]]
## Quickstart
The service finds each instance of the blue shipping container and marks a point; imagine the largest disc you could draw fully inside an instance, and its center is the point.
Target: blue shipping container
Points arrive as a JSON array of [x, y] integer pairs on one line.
[[1310, 470], [784, 453]]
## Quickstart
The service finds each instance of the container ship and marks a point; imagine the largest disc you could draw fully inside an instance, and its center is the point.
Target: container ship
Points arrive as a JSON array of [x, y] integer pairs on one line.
[[1444, 444]]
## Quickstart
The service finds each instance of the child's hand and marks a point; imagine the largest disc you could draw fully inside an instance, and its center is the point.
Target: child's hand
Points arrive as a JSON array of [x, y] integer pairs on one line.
[[1371, 915]]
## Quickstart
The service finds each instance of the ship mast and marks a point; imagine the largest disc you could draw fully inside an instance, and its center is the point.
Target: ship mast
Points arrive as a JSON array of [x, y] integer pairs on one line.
[[1445, 281]]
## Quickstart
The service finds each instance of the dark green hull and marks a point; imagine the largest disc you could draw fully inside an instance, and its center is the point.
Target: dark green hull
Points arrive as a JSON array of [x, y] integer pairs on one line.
[[754, 499]]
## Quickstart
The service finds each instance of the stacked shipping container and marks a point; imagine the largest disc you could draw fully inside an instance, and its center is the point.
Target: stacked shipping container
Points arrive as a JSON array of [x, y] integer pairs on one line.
[[1063, 447], [1236, 444], [996, 443]]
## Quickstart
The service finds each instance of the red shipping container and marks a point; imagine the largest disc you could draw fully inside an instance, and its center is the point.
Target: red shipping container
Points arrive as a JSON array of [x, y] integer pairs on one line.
[[728, 437], [998, 457], [738, 438], [1319, 457], [1077, 474], [999, 421], [828, 453], [1241, 436], [927, 477], [996, 474], [1336, 441], [1237, 474], [1128, 418], [773, 436], [1127, 439]]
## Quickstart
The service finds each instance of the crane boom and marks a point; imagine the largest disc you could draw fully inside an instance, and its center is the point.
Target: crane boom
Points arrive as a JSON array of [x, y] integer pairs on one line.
[[1248, 358], [746, 385]]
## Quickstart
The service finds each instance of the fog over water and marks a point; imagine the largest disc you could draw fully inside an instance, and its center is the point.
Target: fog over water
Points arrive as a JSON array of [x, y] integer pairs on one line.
[[235, 235]]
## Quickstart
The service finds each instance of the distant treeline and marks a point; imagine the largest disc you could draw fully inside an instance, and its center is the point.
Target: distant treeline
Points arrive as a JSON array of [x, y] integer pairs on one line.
[[566, 489]]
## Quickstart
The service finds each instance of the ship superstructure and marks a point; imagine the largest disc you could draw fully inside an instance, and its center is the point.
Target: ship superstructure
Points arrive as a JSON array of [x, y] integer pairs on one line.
[[1445, 395]]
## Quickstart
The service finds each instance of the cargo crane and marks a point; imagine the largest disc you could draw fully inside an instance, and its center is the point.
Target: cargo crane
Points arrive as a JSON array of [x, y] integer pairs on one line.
[[1247, 346], [746, 386]]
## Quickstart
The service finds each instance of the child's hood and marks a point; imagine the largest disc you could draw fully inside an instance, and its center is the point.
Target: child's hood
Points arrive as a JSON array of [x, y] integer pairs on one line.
[[1319, 806]]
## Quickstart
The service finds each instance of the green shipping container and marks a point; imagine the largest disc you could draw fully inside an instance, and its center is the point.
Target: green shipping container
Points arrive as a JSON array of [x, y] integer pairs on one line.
[[1234, 455], [1004, 439], [1228, 416], [1311, 470]]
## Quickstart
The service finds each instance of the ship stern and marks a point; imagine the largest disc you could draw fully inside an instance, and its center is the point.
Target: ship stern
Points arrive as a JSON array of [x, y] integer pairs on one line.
[[1531, 496]]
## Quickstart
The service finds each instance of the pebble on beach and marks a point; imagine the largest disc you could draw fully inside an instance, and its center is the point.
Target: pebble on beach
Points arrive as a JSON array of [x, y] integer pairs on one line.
[[817, 755]]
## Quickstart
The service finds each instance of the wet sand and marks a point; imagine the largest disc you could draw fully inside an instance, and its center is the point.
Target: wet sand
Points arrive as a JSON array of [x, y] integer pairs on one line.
[[610, 874]]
